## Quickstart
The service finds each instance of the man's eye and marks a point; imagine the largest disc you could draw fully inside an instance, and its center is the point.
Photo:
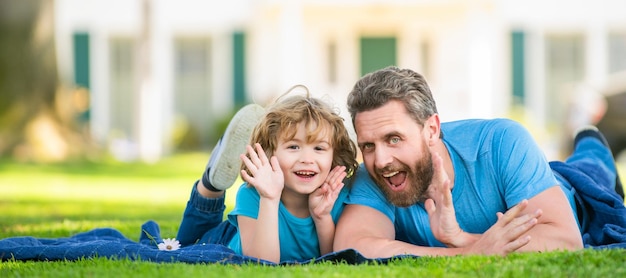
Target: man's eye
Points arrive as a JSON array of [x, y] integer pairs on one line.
[[394, 140], [367, 146]]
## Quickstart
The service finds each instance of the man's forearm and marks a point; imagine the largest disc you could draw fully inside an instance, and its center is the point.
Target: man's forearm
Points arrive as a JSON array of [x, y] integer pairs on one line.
[[464, 239], [385, 248]]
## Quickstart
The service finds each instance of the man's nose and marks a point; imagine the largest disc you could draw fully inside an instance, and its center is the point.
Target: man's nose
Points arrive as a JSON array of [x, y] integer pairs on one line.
[[382, 157]]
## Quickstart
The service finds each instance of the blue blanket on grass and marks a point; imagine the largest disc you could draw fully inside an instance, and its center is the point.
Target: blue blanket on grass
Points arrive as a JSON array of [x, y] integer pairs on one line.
[[606, 228], [110, 243]]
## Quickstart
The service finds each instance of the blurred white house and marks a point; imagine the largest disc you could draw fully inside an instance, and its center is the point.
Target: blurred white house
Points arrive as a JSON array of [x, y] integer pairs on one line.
[[154, 66]]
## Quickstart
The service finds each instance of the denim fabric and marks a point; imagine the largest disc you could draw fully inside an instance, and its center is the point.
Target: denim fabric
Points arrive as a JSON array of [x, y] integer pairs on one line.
[[591, 171], [110, 243], [591, 155], [203, 221]]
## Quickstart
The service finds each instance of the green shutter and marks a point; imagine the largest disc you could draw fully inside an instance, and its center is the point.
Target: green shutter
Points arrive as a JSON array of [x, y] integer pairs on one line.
[[518, 67], [239, 69], [377, 53], [81, 59], [81, 69]]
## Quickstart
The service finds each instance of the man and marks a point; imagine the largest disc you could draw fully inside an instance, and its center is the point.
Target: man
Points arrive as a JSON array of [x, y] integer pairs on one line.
[[476, 170]]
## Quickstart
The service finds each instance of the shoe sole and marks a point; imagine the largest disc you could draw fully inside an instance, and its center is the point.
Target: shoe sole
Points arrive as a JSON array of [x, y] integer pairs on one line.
[[236, 137], [590, 131]]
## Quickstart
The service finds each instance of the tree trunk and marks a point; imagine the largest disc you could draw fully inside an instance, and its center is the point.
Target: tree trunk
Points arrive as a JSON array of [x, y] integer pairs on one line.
[[31, 125]]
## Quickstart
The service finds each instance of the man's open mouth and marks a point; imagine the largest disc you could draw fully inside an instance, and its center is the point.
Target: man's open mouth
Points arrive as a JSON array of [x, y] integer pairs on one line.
[[396, 180]]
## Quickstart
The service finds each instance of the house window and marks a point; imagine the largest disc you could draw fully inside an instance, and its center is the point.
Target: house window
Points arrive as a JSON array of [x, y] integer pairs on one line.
[[122, 86], [617, 52], [192, 93], [565, 65]]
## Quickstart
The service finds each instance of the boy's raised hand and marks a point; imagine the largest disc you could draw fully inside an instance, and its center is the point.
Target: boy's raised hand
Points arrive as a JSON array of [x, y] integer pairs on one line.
[[264, 174], [321, 200]]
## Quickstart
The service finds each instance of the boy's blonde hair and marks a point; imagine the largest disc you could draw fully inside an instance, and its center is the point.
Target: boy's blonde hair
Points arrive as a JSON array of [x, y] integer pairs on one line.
[[320, 119]]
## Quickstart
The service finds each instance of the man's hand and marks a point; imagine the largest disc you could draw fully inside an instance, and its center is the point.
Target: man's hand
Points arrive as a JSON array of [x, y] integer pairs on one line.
[[507, 235], [440, 209]]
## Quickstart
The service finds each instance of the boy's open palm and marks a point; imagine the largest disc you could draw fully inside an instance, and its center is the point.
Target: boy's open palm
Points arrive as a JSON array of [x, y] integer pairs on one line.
[[264, 174], [321, 201]]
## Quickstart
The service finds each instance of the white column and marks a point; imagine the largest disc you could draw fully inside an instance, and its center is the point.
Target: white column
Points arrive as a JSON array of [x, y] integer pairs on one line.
[[149, 99], [596, 52], [536, 81], [480, 63], [409, 48], [221, 72], [291, 43], [100, 116]]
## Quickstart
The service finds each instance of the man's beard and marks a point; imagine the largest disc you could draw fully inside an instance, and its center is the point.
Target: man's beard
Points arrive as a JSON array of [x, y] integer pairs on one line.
[[419, 179]]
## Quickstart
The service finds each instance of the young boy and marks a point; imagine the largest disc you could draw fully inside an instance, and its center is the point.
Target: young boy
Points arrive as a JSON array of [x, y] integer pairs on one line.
[[294, 173]]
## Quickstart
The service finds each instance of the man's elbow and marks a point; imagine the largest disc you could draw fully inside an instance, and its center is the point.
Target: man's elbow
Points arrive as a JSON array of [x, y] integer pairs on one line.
[[573, 241], [576, 243], [566, 245], [557, 243], [342, 243]]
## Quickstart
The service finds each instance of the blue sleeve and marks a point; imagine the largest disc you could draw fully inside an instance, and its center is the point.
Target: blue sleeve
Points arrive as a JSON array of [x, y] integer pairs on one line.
[[339, 204], [246, 204], [365, 192], [521, 163]]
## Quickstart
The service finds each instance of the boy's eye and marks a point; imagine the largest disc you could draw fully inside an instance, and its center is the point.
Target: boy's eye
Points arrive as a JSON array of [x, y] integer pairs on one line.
[[293, 147]]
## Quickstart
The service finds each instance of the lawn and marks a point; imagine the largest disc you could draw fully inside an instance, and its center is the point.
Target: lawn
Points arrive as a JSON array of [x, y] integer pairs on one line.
[[52, 201]]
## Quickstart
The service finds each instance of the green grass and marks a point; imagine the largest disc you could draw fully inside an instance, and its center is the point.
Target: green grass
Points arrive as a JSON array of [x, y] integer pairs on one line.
[[52, 201]]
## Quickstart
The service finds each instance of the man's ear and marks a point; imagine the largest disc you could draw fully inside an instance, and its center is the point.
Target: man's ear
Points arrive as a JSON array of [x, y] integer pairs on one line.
[[433, 128]]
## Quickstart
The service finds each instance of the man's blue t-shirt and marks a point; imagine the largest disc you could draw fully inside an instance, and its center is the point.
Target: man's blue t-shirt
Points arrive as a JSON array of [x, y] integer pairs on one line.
[[297, 236], [497, 164]]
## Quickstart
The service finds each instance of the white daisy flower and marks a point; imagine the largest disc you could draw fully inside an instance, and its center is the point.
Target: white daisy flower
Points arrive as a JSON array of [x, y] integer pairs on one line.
[[169, 244]]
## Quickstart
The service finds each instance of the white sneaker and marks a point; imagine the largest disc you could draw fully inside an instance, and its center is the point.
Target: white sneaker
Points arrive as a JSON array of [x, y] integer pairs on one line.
[[224, 164]]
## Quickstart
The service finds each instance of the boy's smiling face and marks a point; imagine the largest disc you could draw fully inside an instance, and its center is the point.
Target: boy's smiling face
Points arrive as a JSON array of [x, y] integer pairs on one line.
[[305, 160]]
